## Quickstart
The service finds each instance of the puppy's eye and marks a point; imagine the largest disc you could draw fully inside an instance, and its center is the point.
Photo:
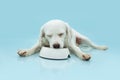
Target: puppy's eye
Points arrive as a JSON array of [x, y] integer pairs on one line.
[[60, 34], [49, 35]]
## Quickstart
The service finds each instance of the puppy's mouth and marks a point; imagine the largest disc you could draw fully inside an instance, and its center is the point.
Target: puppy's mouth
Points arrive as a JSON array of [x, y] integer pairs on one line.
[[64, 47], [47, 46], [54, 48]]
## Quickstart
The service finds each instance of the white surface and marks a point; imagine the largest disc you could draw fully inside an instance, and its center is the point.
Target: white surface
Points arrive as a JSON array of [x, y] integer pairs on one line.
[[54, 53]]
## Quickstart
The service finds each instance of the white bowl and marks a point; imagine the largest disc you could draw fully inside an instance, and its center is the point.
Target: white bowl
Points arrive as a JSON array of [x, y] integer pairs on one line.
[[50, 53]]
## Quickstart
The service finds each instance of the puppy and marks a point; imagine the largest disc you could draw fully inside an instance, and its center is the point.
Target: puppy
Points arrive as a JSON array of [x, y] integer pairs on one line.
[[58, 34]]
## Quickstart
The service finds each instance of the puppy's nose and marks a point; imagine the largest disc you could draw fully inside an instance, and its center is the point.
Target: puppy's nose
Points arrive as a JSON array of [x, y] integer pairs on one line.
[[56, 45]]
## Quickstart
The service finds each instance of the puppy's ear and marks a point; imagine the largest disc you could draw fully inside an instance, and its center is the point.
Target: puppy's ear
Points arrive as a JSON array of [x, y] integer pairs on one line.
[[42, 33], [68, 33], [43, 40]]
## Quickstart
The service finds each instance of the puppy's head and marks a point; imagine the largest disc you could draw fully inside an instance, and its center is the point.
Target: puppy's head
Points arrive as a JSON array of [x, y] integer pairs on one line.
[[55, 34]]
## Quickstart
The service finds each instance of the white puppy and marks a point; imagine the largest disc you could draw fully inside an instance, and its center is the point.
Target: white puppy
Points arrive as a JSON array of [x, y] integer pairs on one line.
[[58, 34]]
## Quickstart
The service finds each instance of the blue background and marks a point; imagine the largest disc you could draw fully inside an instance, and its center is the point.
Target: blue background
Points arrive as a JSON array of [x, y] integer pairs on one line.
[[20, 21]]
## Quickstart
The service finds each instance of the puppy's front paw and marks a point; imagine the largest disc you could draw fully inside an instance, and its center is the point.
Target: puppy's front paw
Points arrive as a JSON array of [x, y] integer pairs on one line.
[[22, 53], [86, 57]]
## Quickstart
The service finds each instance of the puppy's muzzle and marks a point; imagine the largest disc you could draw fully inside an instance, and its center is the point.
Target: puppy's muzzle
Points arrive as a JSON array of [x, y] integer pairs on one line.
[[56, 45]]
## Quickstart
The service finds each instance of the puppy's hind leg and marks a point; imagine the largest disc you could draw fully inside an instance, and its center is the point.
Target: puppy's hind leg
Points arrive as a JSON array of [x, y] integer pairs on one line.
[[94, 46]]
